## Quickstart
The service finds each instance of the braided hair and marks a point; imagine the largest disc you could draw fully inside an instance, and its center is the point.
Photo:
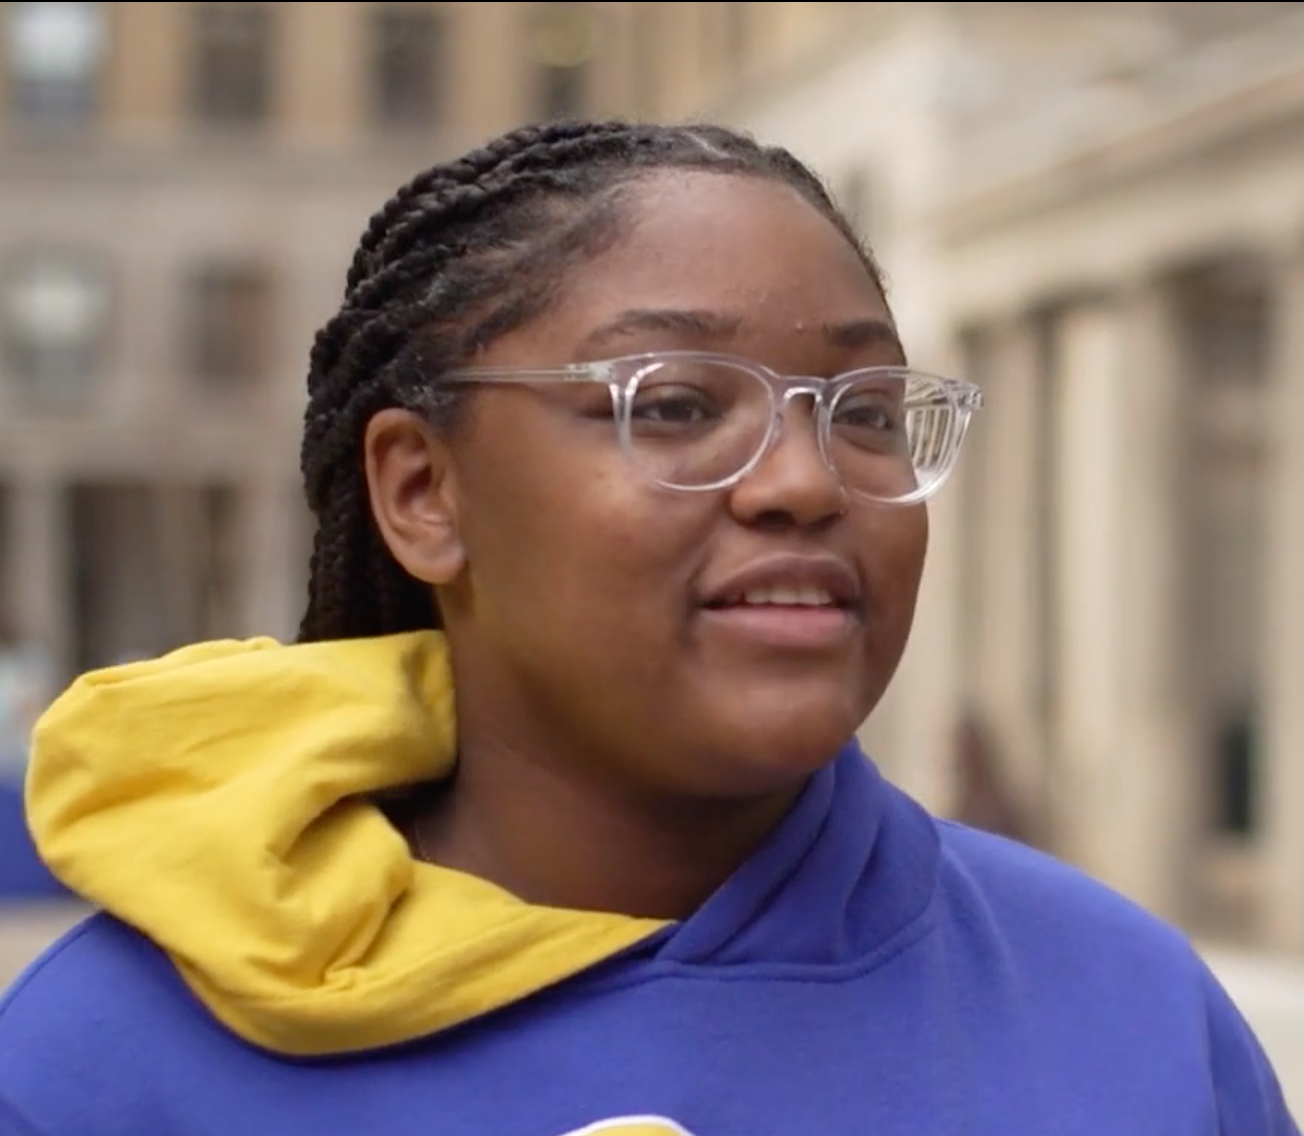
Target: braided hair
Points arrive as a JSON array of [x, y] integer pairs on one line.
[[462, 254]]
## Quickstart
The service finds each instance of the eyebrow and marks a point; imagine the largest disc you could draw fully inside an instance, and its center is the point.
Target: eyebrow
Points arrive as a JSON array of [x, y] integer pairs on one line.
[[697, 323], [712, 325], [863, 333]]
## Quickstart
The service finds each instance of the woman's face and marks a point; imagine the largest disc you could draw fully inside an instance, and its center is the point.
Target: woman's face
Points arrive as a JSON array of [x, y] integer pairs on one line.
[[582, 602]]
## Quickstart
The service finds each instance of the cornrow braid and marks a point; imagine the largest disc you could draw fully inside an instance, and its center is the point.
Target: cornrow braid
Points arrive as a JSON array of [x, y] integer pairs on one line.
[[463, 253]]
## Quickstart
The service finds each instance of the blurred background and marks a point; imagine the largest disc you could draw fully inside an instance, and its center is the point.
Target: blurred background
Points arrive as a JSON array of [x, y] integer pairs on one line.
[[1095, 210]]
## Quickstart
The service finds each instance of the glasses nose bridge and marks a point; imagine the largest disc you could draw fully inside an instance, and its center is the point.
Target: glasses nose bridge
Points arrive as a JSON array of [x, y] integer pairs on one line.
[[785, 388], [788, 387]]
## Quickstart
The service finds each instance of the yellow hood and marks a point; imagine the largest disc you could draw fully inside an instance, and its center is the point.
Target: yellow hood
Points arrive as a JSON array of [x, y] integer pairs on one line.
[[216, 800]]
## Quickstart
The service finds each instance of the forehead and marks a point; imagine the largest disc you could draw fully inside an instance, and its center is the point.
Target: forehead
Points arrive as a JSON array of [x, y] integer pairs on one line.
[[750, 247]]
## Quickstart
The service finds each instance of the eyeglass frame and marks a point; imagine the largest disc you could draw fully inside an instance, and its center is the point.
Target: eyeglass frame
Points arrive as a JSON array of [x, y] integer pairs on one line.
[[963, 397]]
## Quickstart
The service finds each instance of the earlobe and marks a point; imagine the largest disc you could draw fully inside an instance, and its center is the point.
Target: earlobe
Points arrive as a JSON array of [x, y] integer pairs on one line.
[[411, 490]]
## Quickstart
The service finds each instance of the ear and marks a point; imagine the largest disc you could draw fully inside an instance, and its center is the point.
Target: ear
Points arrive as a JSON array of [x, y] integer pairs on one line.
[[411, 488]]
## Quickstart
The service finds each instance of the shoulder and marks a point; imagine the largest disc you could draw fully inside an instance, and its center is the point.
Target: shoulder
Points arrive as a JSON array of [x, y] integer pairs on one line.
[[99, 959], [1052, 918], [1021, 883], [1098, 958], [1057, 925], [102, 1006]]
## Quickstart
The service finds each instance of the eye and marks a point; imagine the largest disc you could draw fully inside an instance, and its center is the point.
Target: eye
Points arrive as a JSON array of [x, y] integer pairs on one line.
[[872, 410], [671, 403], [865, 418], [674, 408], [692, 398]]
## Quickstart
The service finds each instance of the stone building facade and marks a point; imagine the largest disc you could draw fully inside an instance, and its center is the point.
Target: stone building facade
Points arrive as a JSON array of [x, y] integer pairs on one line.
[[181, 185], [1097, 211]]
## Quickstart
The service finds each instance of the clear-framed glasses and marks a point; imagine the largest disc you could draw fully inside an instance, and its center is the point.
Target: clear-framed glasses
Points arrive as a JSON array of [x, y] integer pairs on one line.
[[698, 421]]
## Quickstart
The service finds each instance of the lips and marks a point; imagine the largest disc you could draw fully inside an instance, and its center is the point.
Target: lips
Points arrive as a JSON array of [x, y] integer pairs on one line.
[[806, 607], [785, 597], [789, 582]]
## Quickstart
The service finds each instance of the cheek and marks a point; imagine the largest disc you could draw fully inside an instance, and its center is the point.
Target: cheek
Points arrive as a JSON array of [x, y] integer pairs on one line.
[[583, 547], [897, 547]]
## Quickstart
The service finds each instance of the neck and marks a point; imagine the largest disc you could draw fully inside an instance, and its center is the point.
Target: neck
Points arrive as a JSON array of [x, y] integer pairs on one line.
[[552, 838]]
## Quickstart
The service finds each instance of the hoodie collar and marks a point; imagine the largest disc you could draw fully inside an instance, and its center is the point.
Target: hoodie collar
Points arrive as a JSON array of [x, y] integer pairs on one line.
[[219, 801], [851, 866]]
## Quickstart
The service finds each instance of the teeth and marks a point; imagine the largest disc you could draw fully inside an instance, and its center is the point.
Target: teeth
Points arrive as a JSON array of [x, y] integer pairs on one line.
[[788, 597]]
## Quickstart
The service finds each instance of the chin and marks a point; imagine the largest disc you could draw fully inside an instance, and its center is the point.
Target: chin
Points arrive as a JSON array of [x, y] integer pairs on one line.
[[774, 750]]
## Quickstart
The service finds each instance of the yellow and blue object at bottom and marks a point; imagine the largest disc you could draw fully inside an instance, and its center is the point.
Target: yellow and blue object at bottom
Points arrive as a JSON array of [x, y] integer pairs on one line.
[[868, 970], [633, 1126]]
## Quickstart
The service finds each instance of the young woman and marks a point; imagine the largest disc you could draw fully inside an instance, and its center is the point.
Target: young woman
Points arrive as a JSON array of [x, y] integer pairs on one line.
[[552, 823]]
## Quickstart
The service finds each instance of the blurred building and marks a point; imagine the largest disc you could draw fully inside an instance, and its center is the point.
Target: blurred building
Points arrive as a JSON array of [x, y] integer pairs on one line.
[[1097, 210], [181, 185], [1125, 268]]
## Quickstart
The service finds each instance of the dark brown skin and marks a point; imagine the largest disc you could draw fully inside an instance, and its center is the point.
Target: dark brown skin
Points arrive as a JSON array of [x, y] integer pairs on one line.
[[616, 752]]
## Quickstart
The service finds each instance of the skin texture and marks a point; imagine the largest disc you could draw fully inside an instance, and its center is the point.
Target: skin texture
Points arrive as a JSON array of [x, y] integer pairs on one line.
[[620, 750]]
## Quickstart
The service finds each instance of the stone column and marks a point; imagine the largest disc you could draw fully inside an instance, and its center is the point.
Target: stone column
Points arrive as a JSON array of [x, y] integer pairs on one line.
[[1126, 791], [274, 543], [146, 85], [1007, 660], [323, 81], [38, 548], [914, 733], [1282, 684]]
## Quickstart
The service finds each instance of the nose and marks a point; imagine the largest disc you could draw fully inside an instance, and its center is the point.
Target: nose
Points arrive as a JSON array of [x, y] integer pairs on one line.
[[793, 485]]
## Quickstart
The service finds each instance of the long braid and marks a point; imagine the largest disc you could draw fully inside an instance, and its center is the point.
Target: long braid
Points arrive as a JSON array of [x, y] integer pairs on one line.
[[460, 255]]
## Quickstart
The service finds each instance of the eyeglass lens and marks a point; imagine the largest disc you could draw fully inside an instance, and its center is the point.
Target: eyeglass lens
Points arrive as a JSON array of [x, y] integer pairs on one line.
[[697, 423]]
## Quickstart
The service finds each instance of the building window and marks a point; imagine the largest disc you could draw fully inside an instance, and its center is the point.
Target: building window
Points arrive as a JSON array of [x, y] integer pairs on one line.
[[54, 58], [563, 91], [407, 67], [855, 196], [229, 325], [1235, 754], [647, 61], [55, 325], [736, 34], [563, 39], [232, 70], [153, 567]]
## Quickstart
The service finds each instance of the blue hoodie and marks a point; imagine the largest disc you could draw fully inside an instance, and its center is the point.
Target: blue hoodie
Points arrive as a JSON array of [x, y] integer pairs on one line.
[[870, 971]]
